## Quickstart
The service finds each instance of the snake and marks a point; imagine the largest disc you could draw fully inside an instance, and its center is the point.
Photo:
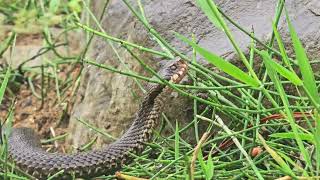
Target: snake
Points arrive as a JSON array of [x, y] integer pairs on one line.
[[25, 149]]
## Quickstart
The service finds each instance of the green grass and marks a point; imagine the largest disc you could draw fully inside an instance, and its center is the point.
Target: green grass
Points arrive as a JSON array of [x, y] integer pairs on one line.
[[235, 106]]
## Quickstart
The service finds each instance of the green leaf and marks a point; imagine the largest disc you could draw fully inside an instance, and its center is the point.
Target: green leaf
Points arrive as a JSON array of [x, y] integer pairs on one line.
[[290, 135], [277, 83], [54, 6], [4, 84], [317, 140], [207, 9], [291, 76], [210, 167], [304, 65], [202, 163], [6, 43], [75, 5], [222, 64], [281, 46]]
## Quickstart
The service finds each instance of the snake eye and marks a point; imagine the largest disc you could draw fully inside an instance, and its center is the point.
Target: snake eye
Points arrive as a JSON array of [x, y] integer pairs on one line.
[[173, 67]]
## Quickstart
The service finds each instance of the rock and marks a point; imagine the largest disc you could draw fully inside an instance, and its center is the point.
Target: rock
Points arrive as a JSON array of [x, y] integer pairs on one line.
[[29, 46], [109, 100]]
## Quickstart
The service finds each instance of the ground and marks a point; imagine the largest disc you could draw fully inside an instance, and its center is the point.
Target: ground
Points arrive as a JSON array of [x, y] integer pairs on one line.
[[49, 118]]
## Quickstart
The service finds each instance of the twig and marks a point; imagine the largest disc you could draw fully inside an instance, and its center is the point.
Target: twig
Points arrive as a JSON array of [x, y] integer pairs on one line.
[[39, 53], [54, 135], [299, 177], [98, 130], [195, 153], [127, 177]]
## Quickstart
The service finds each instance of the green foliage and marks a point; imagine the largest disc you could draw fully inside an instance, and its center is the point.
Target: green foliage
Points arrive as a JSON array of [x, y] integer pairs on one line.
[[31, 17], [290, 75], [304, 66], [4, 83], [243, 98], [206, 166], [222, 64], [208, 8], [75, 6], [283, 165], [290, 135]]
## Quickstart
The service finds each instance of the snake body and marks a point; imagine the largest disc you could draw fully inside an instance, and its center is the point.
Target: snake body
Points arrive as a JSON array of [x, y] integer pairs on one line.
[[25, 148]]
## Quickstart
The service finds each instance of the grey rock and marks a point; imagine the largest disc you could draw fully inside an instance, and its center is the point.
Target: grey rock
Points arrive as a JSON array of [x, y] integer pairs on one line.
[[107, 99]]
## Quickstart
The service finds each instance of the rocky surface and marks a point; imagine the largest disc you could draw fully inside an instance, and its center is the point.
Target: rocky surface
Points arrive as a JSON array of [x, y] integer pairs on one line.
[[109, 100], [29, 46]]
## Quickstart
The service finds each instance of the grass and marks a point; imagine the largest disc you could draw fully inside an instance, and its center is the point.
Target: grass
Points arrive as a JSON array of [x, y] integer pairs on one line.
[[236, 107]]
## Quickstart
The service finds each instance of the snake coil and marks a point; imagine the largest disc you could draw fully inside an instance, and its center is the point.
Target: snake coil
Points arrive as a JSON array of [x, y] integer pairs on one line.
[[25, 148]]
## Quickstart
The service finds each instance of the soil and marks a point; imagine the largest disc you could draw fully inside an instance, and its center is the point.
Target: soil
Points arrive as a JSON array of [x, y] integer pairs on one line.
[[48, 117]]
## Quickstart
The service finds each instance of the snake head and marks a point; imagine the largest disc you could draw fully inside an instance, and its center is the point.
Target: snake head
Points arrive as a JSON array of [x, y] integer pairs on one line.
[[174, 71]]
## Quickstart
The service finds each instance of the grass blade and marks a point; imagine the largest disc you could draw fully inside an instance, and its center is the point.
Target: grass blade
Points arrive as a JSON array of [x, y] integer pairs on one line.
[[290, 135], [304, 65], [290, 161], [281, 46], [202, 163], [210, 166], [291, 76], [273, 76], [222, 64], [206, 8], [317, 142], [6, 43], [276, 157], [176, 143], [4, 84], [54, 6]]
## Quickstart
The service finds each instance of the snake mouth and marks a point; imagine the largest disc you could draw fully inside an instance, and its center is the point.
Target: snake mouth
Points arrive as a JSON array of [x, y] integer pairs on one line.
[[180, 72]]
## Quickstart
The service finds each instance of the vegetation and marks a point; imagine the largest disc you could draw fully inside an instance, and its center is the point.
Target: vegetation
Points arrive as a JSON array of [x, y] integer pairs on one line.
[[261, 114]]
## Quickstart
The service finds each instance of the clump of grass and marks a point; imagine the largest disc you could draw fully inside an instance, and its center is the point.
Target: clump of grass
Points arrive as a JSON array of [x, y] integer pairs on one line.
[[20, 19], [248, 110], [32, 17], [241, 97]]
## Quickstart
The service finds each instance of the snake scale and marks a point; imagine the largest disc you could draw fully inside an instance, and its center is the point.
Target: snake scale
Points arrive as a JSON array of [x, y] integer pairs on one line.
[[25, 148]]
